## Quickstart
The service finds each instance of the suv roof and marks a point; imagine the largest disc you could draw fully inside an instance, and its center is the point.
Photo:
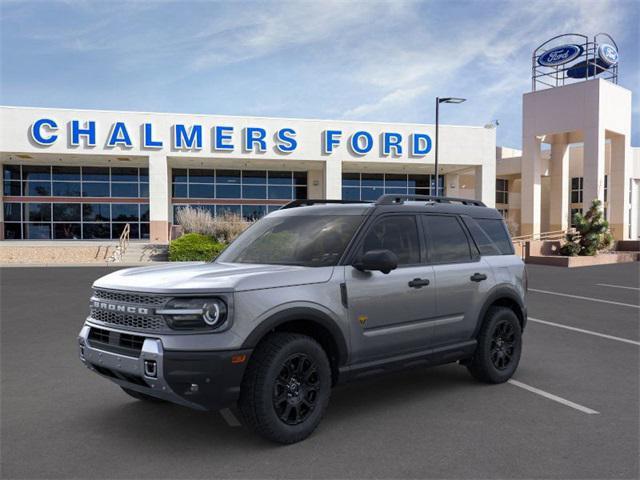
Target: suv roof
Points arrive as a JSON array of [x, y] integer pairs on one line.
[[394, 203]]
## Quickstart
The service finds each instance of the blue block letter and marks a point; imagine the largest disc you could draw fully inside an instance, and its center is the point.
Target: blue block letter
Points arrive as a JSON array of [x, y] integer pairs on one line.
[[286, 140], [119, 136], [184, 139], [392, 140], [421, 144], [36, 131], [330, 140], [89, 131], [223, 135], [253, 136], [147, 138], [355, 142]]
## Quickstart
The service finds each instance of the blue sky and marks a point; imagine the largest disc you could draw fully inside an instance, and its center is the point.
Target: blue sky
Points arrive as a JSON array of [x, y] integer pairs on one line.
[[366, 60]]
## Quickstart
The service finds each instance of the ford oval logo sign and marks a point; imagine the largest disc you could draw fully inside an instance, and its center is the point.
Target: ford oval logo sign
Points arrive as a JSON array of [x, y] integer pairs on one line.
[[608, 54], [560, 55]]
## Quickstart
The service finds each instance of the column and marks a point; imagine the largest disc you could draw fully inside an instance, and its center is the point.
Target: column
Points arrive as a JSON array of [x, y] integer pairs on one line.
[[159, 198], [315, 180], [559, 204], [485, 183], [531, 186], [333, 179], [452, 185], [618, 188], [593, 167]]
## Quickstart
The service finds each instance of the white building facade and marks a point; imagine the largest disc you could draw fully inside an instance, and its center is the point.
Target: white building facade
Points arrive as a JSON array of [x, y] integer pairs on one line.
[[85, 174]]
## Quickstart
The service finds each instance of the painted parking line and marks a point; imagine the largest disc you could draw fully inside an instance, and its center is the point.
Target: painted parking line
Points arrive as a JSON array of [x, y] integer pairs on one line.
[[581, 330], [617, 286], [230, 418], [553, 397], [600, 300]]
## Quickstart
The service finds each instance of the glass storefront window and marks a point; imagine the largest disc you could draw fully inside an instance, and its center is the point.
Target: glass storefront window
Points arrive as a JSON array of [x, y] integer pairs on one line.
[[37, 189], [36, 172], [66, 212], [246, 185], [66, 173], [95, 174], [95, 189], [66, 189], [370, 186], [124, 190], [96, 212]]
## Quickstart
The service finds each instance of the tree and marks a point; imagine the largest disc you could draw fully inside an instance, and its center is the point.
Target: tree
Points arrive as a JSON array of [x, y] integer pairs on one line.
[[591, 235]]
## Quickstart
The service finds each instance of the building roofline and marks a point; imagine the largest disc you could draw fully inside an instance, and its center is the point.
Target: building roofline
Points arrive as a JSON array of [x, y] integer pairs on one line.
[[18, 107]]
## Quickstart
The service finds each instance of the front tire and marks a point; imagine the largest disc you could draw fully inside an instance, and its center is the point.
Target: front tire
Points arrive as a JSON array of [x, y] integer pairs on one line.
[[286, 388], [499, 347]]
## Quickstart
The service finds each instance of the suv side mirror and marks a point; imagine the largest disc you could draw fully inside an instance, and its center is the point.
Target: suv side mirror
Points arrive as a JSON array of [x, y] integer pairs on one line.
[[382, 260]]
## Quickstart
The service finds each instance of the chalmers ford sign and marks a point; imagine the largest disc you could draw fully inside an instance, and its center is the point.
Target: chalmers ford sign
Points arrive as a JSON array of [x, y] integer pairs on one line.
[[222, 138]]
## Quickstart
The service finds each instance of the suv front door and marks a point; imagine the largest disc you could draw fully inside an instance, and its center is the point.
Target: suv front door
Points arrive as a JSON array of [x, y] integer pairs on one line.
[[462, 278], [391, 312]]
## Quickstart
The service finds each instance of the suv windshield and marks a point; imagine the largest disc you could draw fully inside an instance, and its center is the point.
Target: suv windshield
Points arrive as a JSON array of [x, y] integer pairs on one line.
[[309, 241]]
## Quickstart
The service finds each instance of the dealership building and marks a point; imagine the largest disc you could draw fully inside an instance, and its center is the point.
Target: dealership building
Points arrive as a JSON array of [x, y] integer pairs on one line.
[[86, 174]]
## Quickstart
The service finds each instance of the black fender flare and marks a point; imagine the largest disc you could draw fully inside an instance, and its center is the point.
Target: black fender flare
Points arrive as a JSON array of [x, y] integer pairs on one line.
[[499, 293], [307, 314]]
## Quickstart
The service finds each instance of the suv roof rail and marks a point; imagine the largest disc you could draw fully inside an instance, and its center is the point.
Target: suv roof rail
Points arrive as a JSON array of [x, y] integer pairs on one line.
[[391, 199], [309, 202]]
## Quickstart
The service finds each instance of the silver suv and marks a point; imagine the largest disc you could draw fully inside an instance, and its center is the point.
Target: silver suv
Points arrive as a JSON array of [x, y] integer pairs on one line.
[[317, 293]]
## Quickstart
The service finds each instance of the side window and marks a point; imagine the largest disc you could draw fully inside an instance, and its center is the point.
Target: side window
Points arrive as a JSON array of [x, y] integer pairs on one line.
[[481, 238], [447, 241], [498, 234], [398, 233]]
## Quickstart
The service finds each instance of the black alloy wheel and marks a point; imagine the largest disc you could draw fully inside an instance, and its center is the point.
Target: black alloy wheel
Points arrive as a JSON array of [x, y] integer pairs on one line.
[[296, 389], [499, 346], [502, 344]]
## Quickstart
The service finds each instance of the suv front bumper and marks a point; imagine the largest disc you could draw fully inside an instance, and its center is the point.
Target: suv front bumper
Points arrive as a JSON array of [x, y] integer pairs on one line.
[[200, 380]]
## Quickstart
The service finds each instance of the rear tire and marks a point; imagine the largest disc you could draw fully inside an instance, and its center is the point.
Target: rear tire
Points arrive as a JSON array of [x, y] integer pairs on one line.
[[286, 388], [499, 347], [141, 396]]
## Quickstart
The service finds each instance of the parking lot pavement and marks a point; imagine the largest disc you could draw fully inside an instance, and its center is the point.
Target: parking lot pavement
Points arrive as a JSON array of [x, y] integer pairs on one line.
[[60, 421]]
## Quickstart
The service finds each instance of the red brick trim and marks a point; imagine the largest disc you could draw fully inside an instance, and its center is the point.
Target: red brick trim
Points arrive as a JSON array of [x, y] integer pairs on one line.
[[220, 201]]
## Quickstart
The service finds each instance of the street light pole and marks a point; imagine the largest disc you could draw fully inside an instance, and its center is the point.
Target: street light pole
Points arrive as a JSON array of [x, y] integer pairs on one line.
[[437, 143], [438, 102]]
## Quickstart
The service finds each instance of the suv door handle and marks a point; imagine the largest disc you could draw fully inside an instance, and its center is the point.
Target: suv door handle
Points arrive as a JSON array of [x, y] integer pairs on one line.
[[478, 277], [419, 282]]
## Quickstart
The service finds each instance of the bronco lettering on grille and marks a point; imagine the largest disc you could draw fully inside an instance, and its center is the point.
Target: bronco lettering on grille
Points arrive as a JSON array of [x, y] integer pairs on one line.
[[121, 308]]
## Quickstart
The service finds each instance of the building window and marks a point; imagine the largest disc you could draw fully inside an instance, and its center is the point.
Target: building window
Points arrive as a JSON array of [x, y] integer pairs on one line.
[[65, 214], [504, 212], [573, 212], [576, 190], [206, 187], [369, 186], [606, 187], [502, 190]]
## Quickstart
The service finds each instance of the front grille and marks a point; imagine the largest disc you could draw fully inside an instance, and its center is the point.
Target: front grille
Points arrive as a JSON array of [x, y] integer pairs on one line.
[[138, 322], [115, 342], [130, 298]]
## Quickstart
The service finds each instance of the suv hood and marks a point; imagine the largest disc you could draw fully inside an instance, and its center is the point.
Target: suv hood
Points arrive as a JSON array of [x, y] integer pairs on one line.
[[194, 277]]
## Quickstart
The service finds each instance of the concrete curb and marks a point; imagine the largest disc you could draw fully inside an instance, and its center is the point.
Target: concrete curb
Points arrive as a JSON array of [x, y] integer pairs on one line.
[[75, 265]]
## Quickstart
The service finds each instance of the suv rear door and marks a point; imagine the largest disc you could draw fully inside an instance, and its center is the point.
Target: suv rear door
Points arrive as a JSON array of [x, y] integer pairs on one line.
[[389, 314], [462, 278]]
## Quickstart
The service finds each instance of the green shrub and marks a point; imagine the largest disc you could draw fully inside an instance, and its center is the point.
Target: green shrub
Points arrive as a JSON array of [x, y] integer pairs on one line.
[[194, 247], [591, 235]]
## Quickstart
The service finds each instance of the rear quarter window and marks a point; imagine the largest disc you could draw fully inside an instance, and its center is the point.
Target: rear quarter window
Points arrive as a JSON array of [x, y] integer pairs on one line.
[[491, 236]]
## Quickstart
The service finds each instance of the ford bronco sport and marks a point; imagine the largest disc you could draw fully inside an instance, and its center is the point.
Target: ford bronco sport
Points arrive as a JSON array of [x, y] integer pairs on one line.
[[316, 293]]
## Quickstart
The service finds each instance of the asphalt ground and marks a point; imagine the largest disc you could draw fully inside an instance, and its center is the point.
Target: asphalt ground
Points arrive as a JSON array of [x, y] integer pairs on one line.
[[571, 412]]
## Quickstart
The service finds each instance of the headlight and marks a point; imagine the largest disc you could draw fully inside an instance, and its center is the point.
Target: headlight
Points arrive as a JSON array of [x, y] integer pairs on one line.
[[194, 313]]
